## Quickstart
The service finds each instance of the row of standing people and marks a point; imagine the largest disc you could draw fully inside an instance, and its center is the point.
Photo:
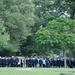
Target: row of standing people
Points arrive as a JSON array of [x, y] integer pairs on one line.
[[35, 62], [46, 62], [11, 61]]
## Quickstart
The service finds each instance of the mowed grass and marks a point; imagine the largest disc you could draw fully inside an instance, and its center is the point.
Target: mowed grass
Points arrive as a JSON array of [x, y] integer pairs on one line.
[[36, 71]]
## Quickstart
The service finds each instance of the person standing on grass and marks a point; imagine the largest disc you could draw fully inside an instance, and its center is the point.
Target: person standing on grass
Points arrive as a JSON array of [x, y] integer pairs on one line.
[[47, 63], [35, 62], [40, 62], [44, 62]]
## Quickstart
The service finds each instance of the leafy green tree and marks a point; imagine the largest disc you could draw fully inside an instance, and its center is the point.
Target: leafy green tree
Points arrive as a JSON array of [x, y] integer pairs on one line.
[[42, 17], [59, 34], [18, 17]]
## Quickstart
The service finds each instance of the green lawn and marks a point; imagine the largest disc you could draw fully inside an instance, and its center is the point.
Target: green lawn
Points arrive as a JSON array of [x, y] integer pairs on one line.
[[36, 71]]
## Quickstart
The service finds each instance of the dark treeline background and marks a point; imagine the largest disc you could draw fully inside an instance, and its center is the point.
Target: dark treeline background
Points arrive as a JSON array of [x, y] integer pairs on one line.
[[24, 23]]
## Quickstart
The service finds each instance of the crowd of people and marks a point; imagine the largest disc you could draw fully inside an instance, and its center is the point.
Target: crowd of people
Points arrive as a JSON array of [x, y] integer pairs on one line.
[[11, 61], [49, 62], [36, 62]]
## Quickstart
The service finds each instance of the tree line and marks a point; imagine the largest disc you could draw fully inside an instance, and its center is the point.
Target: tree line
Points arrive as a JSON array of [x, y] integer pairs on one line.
[[37, 27]]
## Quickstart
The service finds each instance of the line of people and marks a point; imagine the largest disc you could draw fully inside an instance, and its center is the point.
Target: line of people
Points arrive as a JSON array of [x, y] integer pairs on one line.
[[11, 61], [35, 62], [46, 62]]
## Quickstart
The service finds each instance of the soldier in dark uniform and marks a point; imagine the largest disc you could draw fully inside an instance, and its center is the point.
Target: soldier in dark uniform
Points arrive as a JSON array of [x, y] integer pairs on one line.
[[30, 62], [16, 61], [21, 62], [47, 63], [54, 62], [40, 62], [4, 62], [50, 61], [8, 62], [59, 62], [35, 62], [27, 62], [12, 61], [62, 62]]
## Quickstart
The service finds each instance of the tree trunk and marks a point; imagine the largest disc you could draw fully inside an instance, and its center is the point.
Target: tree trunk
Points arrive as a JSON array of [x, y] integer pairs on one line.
[[64, 52]]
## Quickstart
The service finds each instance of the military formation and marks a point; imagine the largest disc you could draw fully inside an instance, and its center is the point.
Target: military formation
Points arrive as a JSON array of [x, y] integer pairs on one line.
[[44, 62], [49, 62], [11, 61]]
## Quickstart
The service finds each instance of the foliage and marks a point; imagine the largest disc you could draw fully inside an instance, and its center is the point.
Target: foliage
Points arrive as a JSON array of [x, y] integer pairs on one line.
[[44, 11], [18, 18], [65, 6], [59, 34], [19, 25], [4, 36]]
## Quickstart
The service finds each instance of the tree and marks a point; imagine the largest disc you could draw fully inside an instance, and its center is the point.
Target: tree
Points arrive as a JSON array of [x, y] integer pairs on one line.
[[42, 17], [46, 10], [18, 17], [59, 34]]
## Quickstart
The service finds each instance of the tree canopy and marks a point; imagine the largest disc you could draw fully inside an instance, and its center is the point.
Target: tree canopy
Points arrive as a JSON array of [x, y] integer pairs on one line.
[[31, 26], [58, 34], [18, 19]]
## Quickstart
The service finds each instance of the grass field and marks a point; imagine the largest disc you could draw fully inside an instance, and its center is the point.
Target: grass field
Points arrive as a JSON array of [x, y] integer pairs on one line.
[[35, 71]]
